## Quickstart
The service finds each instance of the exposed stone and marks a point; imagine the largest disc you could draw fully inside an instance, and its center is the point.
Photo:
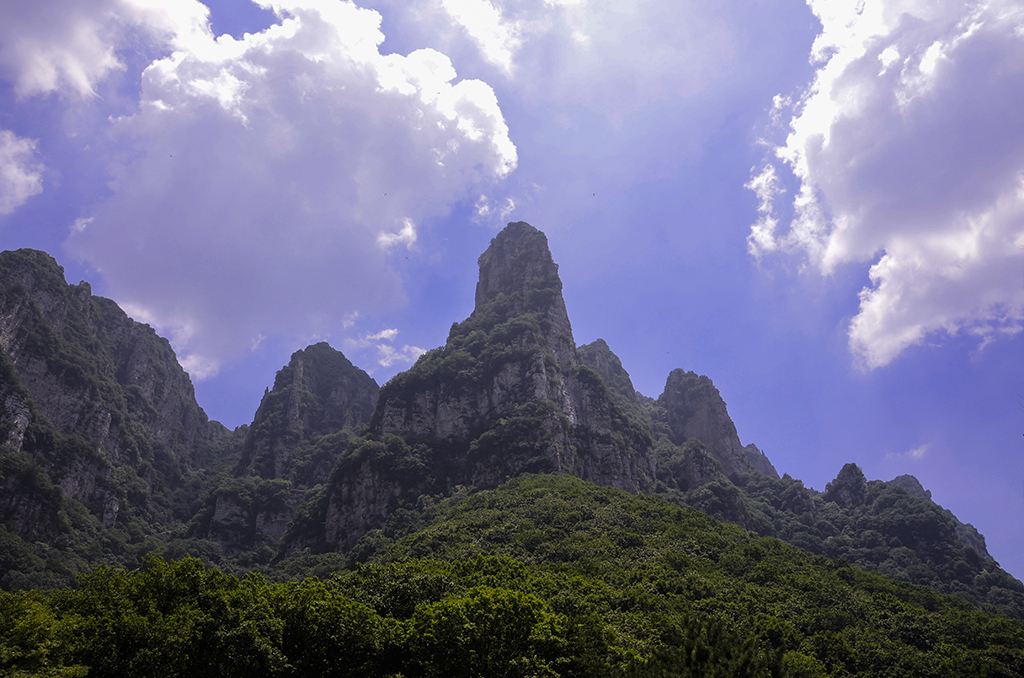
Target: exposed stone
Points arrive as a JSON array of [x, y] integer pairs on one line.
[[96, 409], [507, 394], [319, 392], [693, 409], [849, 487]]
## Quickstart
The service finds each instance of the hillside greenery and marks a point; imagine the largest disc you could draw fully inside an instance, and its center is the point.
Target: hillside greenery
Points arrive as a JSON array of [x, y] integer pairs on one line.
[[544, 576]]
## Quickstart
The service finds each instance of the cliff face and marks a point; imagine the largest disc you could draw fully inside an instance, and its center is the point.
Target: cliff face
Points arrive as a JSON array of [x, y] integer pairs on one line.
[[507, 394], [317, 393], [97, 413], [297, 435], [86, 370], [691, 408], [104, 453]]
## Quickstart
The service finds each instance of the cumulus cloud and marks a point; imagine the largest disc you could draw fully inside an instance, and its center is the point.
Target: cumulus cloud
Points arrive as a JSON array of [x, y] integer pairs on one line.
[[610, 95], [389, 355], [62, 45], [262, 180], [21, 172], [382, 344], [496, 36], [908, 153]]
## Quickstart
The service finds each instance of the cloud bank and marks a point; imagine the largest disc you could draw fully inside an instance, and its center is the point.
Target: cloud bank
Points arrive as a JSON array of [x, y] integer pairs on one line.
[[60, 46], [908, 153], [264, 182], [21, 172]]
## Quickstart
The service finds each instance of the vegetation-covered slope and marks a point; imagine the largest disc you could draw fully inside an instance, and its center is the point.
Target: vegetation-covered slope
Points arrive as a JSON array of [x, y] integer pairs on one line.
[[543, 576]]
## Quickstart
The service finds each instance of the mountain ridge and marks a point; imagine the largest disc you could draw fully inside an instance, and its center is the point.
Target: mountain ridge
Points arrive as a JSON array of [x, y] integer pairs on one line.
[[329, 459]]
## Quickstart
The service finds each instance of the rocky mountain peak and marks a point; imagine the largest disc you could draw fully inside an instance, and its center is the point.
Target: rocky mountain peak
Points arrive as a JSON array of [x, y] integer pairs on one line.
[[912, 486], [849, 487], [598, 356], [518, 277], [694, 410], [516, 263], [318, 392]]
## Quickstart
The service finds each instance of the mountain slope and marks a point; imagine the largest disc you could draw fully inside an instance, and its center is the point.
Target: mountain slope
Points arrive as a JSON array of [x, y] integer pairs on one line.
[[102, 433], [544, 575]]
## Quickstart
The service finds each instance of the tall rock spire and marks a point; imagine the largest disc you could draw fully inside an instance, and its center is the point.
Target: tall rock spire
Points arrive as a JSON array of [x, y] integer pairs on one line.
[[507, 394], [318, 392]]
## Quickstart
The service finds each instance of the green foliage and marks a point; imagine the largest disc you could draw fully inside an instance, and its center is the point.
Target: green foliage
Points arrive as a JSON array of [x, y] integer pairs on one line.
[[877, 525], [544, 576]]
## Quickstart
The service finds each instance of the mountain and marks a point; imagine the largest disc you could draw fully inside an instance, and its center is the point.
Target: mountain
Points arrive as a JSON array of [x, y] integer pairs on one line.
[[100, 433], [107, 457], [317, 393], [300, 428], [507, 394]]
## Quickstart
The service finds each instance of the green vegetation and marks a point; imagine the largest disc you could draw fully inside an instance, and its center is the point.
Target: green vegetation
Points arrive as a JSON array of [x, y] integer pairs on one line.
[[890, 527], [544, 576]]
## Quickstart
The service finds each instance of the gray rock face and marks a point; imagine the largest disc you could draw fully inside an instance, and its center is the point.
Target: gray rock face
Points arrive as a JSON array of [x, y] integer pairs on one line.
[[93, 402], [507, 394], [911, 486], [518, 275], [598, 356], [317, 393], [692, 409]]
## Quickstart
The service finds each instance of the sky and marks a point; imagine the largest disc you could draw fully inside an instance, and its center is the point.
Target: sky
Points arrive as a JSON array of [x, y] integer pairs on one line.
[[818, 204]]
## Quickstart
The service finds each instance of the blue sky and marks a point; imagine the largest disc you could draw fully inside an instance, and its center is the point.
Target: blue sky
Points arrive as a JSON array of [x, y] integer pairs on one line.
[[820, 205]]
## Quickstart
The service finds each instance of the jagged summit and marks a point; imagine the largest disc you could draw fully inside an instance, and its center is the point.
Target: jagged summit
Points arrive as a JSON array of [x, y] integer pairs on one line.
[[318, 392], [517, 262], [598, 356], [693, 409], [101, 441]]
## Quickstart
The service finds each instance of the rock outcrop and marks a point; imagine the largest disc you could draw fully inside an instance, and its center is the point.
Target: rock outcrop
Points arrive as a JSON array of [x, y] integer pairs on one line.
[[319, 392], [507, 394], [99, 425], [691, 408], [300, 430], [105, 455]]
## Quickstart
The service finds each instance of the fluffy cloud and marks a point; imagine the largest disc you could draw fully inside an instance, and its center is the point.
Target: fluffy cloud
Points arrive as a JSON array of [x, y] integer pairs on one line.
[[608, 97], [56, 45], [21, 173], [496, 37], [387, 353], [263, 181], [908, 152]]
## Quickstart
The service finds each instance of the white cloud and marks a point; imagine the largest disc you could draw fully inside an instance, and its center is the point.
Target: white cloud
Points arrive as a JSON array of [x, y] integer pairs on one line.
[[765, 185], [909, 153], [497, 37], [382, 343], [389, 355], [250, 186], [913, 454], [487, 211], [386, 334], [405, 236], [199, 367], [58, 45], [21, 172]]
